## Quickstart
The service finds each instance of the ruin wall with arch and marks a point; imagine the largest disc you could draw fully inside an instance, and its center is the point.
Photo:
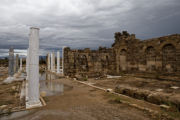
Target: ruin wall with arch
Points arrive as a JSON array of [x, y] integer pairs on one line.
[[127, 55]]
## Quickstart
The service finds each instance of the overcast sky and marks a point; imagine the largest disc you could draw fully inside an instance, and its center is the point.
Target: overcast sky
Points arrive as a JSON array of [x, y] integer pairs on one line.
[[84, 23]]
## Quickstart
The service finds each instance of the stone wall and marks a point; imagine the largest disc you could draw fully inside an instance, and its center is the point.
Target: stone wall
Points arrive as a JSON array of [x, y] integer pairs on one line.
[[89, 62], [127, 55]]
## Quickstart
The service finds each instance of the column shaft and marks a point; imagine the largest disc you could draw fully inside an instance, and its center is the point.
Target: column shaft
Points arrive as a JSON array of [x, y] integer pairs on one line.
[[58, 61], [20, 64], [11, 62], [33, 81]]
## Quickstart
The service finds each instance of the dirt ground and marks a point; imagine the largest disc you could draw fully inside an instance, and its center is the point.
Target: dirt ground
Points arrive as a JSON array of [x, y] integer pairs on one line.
[[9, 93], [83, 102], [3, 73]]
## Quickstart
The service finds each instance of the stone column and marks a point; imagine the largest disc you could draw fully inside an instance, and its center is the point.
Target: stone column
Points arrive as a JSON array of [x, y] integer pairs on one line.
[[20, 64], [11, 62], [33, 81], [58, 61], [27, 64], [14, 64], [48, 62], [27, 73], [17, 62], [52, 62], [10, 67]]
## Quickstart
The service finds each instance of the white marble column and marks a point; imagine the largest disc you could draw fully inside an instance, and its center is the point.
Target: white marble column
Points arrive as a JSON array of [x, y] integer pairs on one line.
[[20, 64], [58, 61], [27, 73], [33, 81], [52, 62], [27, 64], [48, 62]]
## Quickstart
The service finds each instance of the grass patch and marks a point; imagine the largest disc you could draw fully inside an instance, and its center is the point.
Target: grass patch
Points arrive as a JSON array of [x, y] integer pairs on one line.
[[118, 100], [46, 99], [83, 79], [113, 98]]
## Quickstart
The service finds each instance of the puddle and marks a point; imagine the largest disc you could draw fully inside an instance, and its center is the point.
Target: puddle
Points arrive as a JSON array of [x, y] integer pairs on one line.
[[49, 87]]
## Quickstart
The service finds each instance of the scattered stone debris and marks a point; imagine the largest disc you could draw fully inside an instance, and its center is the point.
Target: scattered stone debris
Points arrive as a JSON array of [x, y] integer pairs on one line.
[[149, 96], [165, 107], [159, 90], [175, 87], [3, 106], [110, 76], [109, 90], [13, 87]]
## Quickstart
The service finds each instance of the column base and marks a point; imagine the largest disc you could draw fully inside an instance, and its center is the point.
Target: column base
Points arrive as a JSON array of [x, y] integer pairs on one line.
[[30, 105]]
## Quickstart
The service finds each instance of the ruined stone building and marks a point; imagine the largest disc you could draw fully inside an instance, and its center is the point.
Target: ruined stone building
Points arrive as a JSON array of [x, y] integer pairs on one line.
[[127, 55]]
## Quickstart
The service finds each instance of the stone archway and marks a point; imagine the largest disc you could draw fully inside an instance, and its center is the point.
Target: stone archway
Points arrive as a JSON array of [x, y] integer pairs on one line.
[[123, 62], [150, 58], [84, 63], [169, 58]]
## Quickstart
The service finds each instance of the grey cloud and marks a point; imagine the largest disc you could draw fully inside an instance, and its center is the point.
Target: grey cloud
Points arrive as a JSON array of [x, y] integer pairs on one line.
[[85, 23]]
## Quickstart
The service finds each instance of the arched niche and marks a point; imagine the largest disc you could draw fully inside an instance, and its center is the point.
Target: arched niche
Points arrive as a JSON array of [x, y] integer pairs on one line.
[[169, 58], [150, 54], [84, 63]]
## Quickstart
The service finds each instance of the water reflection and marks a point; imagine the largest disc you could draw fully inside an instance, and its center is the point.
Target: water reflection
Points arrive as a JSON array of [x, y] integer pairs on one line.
[[50, 88], [47, 76], [48, 85]]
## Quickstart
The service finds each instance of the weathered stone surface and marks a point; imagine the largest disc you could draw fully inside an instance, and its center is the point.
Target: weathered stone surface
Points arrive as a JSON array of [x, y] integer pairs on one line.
[[158, 98], [127, 55]]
